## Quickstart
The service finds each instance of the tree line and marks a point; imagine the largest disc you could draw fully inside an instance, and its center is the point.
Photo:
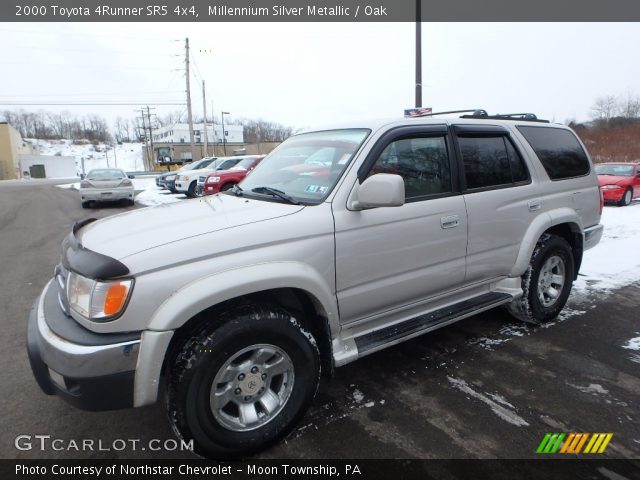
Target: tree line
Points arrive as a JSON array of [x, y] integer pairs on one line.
[[94, 128], [613, 134]]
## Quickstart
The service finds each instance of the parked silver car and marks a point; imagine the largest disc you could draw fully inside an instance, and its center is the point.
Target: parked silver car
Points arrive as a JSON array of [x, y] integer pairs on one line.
[[106, 185], [237, 302]]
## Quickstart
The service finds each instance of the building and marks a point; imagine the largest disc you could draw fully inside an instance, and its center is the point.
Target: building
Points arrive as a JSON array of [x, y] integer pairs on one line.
[[19, 159], [11, 147], [172, 144]]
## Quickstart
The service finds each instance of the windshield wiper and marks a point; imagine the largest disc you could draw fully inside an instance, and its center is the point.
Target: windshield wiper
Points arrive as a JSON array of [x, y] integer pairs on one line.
[[237, 190], [276, 193]]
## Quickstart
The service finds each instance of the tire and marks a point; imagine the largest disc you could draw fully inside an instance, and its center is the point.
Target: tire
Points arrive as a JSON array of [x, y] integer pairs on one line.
[[132, 202], [227, 186], [550, 272], [225, 358], [86, 204], [626, 198], [191, 191]]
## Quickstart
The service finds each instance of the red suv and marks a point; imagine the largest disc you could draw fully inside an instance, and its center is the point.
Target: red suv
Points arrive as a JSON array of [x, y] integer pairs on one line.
[[619, 182], [225, 179]]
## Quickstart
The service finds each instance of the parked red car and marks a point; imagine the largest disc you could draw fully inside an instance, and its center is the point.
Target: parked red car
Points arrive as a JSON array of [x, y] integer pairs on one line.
[[619, 182], [223, 180]]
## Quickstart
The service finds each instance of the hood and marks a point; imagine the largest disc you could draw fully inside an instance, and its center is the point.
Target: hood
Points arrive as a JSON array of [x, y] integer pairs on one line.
[[132, 232], [612, 179]]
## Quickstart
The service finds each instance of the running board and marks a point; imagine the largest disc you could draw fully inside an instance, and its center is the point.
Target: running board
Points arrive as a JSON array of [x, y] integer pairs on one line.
[[430, 321]]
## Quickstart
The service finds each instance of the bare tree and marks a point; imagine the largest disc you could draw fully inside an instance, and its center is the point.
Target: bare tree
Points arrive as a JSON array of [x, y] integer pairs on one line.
[[629, 106], [604, 108]]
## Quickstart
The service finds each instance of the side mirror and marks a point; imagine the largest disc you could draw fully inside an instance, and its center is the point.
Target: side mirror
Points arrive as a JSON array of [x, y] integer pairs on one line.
[[379, 190], [131, 176]]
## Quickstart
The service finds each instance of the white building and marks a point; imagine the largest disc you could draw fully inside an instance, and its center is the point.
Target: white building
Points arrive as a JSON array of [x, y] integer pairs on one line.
[[179, 133]]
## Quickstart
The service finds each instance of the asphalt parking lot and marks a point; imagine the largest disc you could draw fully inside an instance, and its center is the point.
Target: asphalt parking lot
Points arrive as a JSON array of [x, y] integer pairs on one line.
[[486, 387]]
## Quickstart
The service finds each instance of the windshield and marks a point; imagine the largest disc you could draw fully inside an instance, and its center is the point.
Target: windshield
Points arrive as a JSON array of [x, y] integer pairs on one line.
[[105, 174], [307, 166], [244, 164], [619, 170], [227, 164]]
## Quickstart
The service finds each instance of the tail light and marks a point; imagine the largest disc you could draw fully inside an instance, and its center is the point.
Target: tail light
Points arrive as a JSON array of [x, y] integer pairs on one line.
[[601, 200], [126, 183]]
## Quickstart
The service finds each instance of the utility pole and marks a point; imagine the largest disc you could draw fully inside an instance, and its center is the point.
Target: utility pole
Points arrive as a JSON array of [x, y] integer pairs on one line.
[[150, 134], [189, 114], [204, 107], [115, 157], [418, 54]]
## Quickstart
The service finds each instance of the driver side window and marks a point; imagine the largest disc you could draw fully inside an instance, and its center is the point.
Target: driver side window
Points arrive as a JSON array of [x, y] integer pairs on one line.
[[423, 163]]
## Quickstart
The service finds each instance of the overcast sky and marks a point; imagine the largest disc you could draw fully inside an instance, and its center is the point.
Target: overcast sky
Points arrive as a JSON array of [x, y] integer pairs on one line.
[[306, 74]]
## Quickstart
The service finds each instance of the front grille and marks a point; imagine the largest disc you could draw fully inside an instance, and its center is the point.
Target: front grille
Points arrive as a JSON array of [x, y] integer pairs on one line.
[[61, 275], [201, 179]]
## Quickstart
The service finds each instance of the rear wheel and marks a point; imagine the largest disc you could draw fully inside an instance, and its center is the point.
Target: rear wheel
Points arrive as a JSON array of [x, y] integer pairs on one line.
[[86, 204], [626, 198], [547, 282], [239, 387]]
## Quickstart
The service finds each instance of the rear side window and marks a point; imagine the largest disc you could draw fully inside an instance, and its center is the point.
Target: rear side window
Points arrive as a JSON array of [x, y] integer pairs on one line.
[[491, 162], [559, 151]]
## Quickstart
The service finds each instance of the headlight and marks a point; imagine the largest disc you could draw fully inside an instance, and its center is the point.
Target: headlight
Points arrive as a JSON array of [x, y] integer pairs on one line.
[[213, 179], [184, 177], [170, 177], [96, 300], [611, 187], [85, 184]]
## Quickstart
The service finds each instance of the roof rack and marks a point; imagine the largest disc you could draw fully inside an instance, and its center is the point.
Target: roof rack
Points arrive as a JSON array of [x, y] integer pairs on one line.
[[481, 114], [527, 117]]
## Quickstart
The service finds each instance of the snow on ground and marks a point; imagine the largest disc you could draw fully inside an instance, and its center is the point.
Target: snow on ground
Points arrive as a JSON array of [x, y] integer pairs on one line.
[[128, 156], [155, 196], [615, 261]]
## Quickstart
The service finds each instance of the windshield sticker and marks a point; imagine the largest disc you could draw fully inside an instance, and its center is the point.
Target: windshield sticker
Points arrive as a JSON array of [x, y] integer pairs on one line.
[[314, 189]]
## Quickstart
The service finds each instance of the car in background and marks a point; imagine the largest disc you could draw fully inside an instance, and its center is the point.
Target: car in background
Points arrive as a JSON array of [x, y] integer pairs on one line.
[[106, 185], [619, 182], [187, 182], [167, 180], [223, 180]]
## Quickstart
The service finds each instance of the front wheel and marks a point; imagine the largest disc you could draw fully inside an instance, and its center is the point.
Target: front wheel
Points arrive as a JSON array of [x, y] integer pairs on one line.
[[239, 387], [626, 199], [546, 284], [191, 191]]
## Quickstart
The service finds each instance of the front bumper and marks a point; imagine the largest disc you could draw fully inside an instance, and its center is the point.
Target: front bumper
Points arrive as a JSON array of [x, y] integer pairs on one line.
[[182, 185], [613, 195], [106, 194], [210, 188], [89, 370]]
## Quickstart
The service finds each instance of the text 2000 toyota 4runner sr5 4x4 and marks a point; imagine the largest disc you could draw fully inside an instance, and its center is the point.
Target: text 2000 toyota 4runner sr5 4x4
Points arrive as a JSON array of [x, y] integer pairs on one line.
[[241, 301]]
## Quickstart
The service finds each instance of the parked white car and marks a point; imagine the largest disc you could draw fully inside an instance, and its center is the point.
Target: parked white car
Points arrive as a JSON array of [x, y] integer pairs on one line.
[[187, 182], [106, 185]]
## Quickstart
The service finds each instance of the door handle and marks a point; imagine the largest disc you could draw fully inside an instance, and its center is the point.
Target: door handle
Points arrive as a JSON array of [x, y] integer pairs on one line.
[[449, 221], [534, 205]]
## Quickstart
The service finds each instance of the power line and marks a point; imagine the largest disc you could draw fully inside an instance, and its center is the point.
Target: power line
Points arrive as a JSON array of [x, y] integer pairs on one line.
[[79, 65], [87, 94], [93, 50], [163, 103]]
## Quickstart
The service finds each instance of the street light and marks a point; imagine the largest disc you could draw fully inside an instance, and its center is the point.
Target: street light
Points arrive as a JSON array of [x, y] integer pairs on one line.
[[224, 134]]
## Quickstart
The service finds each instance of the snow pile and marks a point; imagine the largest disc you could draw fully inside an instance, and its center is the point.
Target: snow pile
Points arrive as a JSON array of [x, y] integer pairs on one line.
[[155, 196], [615, 261], [127, 156]]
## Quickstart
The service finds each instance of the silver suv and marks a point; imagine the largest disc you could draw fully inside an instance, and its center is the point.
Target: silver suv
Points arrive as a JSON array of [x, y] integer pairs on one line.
[[241, 300]]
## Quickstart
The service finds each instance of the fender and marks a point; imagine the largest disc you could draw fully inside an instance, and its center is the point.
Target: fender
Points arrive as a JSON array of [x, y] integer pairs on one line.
[[538, 226], [208, 291]]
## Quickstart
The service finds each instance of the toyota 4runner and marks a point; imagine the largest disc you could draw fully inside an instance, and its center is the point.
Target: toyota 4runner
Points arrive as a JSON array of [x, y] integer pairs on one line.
[[237, 305]]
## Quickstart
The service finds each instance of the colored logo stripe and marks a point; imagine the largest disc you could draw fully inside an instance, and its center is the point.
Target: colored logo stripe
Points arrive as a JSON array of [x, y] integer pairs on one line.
[[574, 443]]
